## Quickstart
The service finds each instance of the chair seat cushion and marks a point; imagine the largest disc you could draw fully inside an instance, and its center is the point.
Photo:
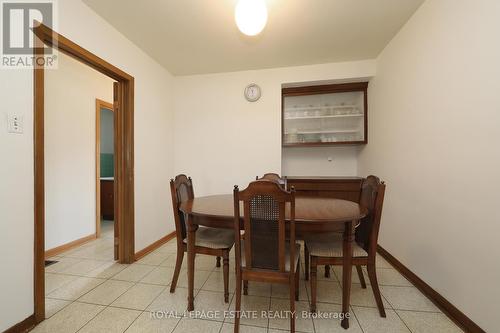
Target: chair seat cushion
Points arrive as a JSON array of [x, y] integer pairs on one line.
[[287, 256], [214, 238], [330, 245]]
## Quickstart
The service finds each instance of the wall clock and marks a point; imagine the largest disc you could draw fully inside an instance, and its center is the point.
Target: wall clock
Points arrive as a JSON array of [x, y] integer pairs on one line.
[[252, 92]]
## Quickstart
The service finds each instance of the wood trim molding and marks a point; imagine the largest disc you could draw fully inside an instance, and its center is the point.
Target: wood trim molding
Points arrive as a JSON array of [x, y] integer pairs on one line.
[[23, 326], [124, 153], [150, 248], [68, 246], [99, 104], [457, 316]]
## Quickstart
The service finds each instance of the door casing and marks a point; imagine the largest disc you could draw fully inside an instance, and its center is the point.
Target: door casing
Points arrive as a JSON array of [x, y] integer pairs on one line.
[[99, 104], [124, 153]]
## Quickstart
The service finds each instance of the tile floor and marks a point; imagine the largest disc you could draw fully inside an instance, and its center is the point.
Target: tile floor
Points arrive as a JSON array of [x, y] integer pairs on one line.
[[87, 292]]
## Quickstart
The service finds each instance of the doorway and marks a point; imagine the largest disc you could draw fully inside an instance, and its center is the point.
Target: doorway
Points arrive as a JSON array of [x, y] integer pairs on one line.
[[105, 171], [123, 106]]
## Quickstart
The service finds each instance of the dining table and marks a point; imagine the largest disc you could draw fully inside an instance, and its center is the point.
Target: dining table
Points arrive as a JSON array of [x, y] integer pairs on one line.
[[312, 215]]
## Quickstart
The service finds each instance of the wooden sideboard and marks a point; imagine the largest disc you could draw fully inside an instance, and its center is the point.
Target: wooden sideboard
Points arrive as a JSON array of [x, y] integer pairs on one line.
[[107, 199], [347, 188]]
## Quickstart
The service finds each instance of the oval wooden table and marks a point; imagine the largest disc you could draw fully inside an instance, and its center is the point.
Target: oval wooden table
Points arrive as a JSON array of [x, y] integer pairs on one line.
[[312, 215]]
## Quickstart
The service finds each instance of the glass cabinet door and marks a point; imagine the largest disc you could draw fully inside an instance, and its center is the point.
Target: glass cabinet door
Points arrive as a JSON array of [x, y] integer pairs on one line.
[[324, 118]]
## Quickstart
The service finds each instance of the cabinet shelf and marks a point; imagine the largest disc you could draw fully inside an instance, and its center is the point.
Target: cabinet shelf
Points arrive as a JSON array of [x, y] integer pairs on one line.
[[325, 132], [322, 117], [326, 107]]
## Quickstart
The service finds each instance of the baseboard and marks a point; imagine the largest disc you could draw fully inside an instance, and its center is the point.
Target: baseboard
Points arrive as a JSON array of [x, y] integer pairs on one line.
[[68, 246], [150, 248], [457, 316], [23, 326]]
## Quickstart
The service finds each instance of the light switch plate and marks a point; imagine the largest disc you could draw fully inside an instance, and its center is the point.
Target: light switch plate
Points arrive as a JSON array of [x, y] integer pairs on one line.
[[15, 123]]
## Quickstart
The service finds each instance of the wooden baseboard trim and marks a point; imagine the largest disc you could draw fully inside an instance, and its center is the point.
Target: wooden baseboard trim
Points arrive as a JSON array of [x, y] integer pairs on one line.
[[68, 246], [457, 316], [23, 326], [150, 248]]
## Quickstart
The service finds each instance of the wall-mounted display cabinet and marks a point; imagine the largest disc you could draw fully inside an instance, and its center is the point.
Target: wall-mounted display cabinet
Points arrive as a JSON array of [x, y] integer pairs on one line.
[[334, 114]]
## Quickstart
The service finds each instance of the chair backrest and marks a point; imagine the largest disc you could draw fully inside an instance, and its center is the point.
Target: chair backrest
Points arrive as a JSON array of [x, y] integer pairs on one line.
[[181, 189], [274, 177], [372, 198], [264, 207]]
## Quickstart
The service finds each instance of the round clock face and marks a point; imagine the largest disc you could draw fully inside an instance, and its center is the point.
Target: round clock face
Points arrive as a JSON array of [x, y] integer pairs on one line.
[[252, 92]]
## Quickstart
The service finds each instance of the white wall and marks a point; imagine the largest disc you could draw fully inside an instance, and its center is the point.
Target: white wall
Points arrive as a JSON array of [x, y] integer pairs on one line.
[[223, 140], [153, 161], [434, 124], [70, 93], [320, 161]]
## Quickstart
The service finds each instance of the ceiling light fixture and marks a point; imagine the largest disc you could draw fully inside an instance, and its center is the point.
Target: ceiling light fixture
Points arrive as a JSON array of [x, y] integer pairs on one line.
[[251, 16]]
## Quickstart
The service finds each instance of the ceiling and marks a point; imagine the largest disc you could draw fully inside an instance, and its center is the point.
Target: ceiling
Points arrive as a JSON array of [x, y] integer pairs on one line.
[[200, 36]]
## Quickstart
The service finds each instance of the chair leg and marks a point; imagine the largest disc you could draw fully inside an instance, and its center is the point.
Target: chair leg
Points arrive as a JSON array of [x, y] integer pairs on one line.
[[177, 270], [225, 256], [292, 287], [314, 278], [361, 276], [372, 275], [297, 281], [306, 263], [217, 262], [327, 271], [245, 287], [237, 306]]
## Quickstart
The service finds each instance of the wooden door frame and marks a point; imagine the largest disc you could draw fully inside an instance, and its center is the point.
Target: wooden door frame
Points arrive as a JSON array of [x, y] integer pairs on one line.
[[99, 104], [124, 153]]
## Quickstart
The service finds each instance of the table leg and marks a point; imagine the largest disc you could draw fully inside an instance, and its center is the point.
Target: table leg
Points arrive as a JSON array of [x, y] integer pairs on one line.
[[347, 271], [191, 256]]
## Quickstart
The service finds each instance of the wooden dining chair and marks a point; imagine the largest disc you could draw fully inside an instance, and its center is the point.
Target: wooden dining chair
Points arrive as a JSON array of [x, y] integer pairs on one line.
[[327, 249], [266, 254], [274, 177], [209, 241]]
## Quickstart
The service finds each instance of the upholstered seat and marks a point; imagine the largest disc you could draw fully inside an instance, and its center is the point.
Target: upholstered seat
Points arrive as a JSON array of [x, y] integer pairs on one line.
[[331, 245], [287, 256], [209, 241], [214, 238], [327, 249]]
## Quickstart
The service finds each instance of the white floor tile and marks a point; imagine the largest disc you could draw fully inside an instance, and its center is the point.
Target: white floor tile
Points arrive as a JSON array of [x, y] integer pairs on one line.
[[281, 320], [371, 322], [188, 325], [70, 319], [229, 328], [111, 320], [428, 322], [253, 306], [407, 298], [76, 288], [145, 323], [106, 270], [107, 292], [327, 319], [52, 306], [54, 281], [133, 273], [174, 302], [159, 275], [139, 297]]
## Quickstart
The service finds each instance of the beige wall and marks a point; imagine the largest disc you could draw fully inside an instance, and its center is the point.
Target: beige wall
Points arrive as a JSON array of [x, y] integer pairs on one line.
[[70, 94], [153, 161], [320, 161], [223, 140], [434, 124]]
